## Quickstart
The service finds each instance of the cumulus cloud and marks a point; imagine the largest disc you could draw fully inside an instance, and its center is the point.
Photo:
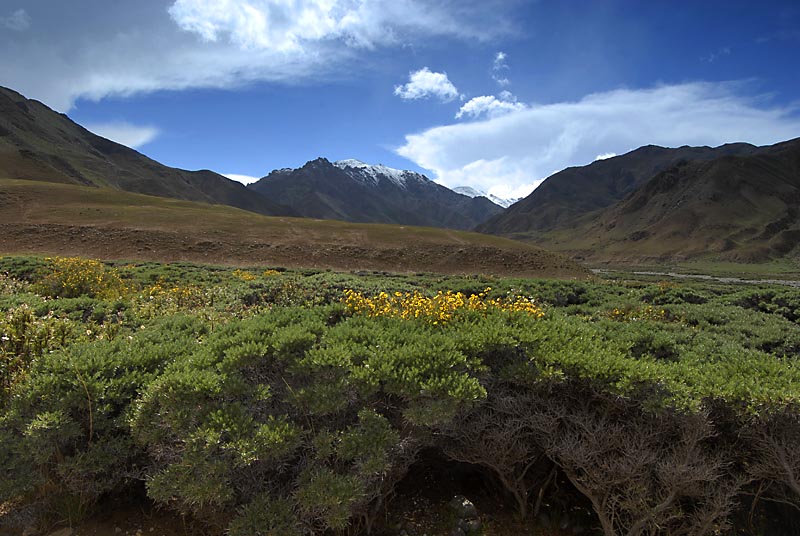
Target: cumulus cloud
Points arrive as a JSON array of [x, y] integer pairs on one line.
[[133, 136], [126, 48], [244, 179], [490, 106], [424, 84], [515, 151], [18, 21], [499, 65]]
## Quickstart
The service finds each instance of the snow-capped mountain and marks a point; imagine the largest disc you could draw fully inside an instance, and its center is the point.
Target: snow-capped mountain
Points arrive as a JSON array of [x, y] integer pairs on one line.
[[472, 192], [373, 174], [352, 190]]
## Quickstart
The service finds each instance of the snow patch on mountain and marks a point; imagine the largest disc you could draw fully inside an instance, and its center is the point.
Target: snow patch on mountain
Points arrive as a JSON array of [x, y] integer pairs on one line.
[[472, 192], [468, 191], [372, 174]]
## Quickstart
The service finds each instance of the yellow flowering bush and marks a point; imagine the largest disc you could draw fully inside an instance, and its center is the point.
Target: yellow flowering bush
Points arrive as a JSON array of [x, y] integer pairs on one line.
[[270, 273], [437, 309], [244, 275], [71, 277]]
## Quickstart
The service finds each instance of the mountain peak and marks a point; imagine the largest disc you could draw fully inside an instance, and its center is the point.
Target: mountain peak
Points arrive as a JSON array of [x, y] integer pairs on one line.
[[372, 173], [319, 161]]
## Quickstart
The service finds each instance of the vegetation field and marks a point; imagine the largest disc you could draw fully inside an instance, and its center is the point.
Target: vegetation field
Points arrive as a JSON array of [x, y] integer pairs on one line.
[[263, 401]]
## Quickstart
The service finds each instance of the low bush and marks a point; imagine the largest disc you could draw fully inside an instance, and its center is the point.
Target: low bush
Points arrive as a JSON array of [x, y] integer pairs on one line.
[[72, 277]]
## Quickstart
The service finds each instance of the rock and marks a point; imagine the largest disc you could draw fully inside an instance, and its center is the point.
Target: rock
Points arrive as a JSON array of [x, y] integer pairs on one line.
[[463, 507], [66, 531], [457, 532], [462, 524], [117, 530]]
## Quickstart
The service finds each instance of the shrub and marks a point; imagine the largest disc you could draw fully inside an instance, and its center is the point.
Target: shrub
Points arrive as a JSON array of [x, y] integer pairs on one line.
[[266, 516], [24, 336], [72, 277], [66, 426]]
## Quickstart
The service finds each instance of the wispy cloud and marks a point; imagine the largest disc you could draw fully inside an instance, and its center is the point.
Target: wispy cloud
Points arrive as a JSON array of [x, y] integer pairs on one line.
[[126, 48], [297, 25], [499, 66], [133, 136], [18, 21], [424, 84], [713, 56], [511, 154]]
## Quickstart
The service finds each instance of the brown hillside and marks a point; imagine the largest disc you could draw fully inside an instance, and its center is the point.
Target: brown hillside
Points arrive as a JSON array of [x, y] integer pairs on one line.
[[50, 218], [733, 208], [568, 196]]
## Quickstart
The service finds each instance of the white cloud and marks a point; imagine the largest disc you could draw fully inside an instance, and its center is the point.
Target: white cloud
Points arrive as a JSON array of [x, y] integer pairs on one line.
[[500, 61], [498, 66], [490, 106], [268, 24], [517, 150], [244, 179], [126, 48], [18, 21], [292, 25], [604, 156], [133, 136], [424, 84]]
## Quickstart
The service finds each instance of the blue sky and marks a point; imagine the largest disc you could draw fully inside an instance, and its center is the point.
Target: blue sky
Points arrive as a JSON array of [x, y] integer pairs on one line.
[[496, 94]]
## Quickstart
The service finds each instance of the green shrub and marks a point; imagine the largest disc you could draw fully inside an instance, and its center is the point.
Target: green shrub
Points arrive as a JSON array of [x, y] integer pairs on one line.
[[23, 337], [266, 516], [67, 422]]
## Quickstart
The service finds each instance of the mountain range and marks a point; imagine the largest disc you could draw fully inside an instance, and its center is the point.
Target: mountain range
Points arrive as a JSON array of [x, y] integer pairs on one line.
[[37, 143], [351, 190], [736, 202]]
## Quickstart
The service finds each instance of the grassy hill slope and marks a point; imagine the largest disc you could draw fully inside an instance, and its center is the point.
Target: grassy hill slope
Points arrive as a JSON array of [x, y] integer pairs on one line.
[[51, 218]]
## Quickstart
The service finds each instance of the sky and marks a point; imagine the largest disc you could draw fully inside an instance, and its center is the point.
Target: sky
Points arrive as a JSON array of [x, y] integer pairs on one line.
[[492, 94]]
